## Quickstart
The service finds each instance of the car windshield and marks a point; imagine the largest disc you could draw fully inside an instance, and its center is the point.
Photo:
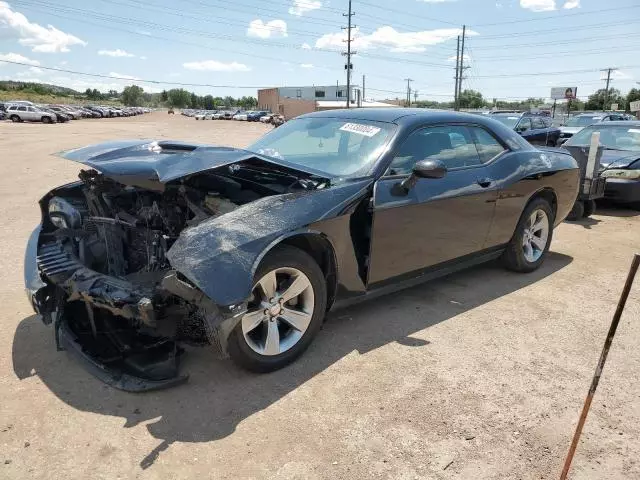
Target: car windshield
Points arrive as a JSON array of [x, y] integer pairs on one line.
[[616, 137], [338, 147], [509, 120], [582, 121]]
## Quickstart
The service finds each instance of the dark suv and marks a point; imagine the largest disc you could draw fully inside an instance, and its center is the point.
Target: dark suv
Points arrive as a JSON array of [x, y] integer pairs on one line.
[[536, 129]]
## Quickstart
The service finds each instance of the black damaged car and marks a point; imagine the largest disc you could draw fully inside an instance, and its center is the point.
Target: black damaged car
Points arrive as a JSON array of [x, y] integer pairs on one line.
[[162, 243]]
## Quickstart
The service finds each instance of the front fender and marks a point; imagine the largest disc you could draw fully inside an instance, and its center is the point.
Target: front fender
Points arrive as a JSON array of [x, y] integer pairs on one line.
[[219, 255]]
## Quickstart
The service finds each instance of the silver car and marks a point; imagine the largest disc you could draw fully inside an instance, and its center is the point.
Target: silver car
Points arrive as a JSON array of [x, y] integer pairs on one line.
[[27, 113]]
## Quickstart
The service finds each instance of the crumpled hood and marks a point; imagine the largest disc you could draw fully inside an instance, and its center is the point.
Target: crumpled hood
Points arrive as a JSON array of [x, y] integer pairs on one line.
[[151, 164], [618, 159]]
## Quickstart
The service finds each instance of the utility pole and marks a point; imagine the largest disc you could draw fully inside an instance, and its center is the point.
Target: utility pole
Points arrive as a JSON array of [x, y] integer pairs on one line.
[[415, 96], [363, 90], [455, 89], [348, 53], [462, 67], [408, 80], [606, 92]]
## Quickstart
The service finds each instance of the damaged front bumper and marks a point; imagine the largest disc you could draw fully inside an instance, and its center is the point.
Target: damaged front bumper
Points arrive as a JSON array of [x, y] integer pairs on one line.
[[140, 359]]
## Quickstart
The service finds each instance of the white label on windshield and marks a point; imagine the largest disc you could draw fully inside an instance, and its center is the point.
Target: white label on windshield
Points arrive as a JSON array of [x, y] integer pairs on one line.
[[513, 118], [366, 130], [633, 130]]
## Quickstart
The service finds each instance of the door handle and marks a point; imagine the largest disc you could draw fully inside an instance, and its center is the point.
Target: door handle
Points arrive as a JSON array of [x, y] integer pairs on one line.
[[485, 182]]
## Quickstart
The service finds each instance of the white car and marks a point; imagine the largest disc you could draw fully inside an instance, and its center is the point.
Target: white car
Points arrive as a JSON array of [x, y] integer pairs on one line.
[[242, 116], [27, 113], [266, 118]]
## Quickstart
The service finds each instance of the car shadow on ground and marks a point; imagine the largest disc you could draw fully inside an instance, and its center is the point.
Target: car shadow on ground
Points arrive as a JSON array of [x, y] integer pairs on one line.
[[612, 210], [219, 395]]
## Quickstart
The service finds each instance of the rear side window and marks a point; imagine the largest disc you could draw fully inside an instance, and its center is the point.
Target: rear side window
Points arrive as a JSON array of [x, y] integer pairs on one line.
[[22, 109], [487, 145], [537, 122]]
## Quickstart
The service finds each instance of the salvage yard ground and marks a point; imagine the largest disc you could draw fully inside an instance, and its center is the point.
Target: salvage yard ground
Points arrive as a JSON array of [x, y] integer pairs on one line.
[[478, 376]]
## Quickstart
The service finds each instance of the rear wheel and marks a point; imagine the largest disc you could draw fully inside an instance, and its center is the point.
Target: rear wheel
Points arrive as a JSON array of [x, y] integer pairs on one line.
[[577, 212], [589, 208], [14, 118], [530, 242], [285, 311], [46, 119]]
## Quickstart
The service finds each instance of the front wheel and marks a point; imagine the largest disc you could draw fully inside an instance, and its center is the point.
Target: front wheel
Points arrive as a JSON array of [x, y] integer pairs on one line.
[[285, 311], [46, 119], [530, 242], [15, 118]]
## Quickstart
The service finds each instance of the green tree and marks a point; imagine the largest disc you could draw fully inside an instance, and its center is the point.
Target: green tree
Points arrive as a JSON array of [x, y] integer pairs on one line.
[[229, 101], [600, 101], [471, 99], [207, 102], [132, 95], [164, 96], [179, 97], [632, 96]]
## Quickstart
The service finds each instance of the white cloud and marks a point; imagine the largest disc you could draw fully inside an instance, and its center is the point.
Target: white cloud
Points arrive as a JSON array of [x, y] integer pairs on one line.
[[115, 53], [122, 76], [539, 5], [569, 4], [16, 57], [306, 46], [271, 29], [616, 75], [142, 57], [306, 65], [36, 70], [40, 39], [437, 1], [215, 66], [389, 38], [143, 32], [300, 7]]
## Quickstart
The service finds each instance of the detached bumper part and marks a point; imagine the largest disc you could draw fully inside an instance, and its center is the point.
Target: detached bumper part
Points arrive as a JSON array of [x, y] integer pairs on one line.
[[114, 377]]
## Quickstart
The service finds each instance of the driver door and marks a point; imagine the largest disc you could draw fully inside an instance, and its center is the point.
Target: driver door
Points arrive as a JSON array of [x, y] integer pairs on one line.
[[438, 220]]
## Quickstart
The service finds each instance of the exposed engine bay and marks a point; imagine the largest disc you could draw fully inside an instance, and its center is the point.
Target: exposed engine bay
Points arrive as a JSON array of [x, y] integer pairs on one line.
[[103, 249]]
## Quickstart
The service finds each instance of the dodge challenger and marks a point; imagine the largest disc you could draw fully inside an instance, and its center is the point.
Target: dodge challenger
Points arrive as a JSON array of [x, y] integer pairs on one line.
[[161, 243]]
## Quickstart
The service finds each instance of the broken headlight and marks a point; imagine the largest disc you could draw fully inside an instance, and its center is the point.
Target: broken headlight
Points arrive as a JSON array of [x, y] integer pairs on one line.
[[63, 215]]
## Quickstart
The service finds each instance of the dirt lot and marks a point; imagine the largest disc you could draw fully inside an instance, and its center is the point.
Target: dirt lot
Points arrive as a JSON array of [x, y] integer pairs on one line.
[[480, 375]]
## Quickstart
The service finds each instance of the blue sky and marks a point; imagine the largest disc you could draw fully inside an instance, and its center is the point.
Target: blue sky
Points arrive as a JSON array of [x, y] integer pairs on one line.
[[296, 42]]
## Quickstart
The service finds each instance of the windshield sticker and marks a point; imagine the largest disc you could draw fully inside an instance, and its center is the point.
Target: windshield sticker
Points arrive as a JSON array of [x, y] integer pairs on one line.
[[634, 130], [513, 118], [366, 130]]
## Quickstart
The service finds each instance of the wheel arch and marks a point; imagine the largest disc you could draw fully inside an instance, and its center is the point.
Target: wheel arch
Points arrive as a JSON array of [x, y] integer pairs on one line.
[[548, 194], [319, 247]]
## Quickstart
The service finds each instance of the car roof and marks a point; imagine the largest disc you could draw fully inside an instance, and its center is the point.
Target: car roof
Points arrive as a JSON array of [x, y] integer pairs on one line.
[[405, 116], [619, 123]]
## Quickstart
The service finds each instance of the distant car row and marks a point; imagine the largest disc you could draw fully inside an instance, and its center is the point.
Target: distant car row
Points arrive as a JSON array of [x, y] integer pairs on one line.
[[263, 116], [23, 111]]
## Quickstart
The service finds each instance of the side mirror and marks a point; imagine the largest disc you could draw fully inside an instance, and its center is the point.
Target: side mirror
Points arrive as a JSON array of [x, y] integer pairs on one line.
[[429, 169], [422, 169]]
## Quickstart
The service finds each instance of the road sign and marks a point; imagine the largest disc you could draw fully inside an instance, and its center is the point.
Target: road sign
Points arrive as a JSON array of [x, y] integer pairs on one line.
[[614, 106], [635, 106], [562, 93]]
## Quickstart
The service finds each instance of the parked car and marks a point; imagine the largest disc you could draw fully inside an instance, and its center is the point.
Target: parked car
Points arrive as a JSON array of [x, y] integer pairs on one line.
[[60, 117], [620, 160], [266, 118], [247, 249], [26, 113], [255, 116], [277, 120], [536, 129], [3, 115], [577, 122], [240, 116]]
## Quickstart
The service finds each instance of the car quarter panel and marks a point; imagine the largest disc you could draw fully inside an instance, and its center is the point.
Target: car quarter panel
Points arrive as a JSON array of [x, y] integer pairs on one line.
[[220, 255], [520, 176]]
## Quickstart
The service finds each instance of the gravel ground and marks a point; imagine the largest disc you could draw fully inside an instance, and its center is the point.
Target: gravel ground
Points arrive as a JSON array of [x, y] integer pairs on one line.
[[477, 376]]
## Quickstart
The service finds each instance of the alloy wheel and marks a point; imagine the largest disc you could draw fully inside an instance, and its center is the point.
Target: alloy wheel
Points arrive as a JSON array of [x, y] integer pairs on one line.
[[535, 236], [280, 311]]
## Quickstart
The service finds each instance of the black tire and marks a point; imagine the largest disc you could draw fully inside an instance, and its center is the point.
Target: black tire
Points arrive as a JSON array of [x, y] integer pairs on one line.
[[589, 208], [577, 212], [282, 256], [15, 118], [513, 257], [551, 143], [46, 119]]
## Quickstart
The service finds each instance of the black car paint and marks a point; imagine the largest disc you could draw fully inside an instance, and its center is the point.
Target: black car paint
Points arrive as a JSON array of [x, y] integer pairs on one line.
[[416, 236]]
